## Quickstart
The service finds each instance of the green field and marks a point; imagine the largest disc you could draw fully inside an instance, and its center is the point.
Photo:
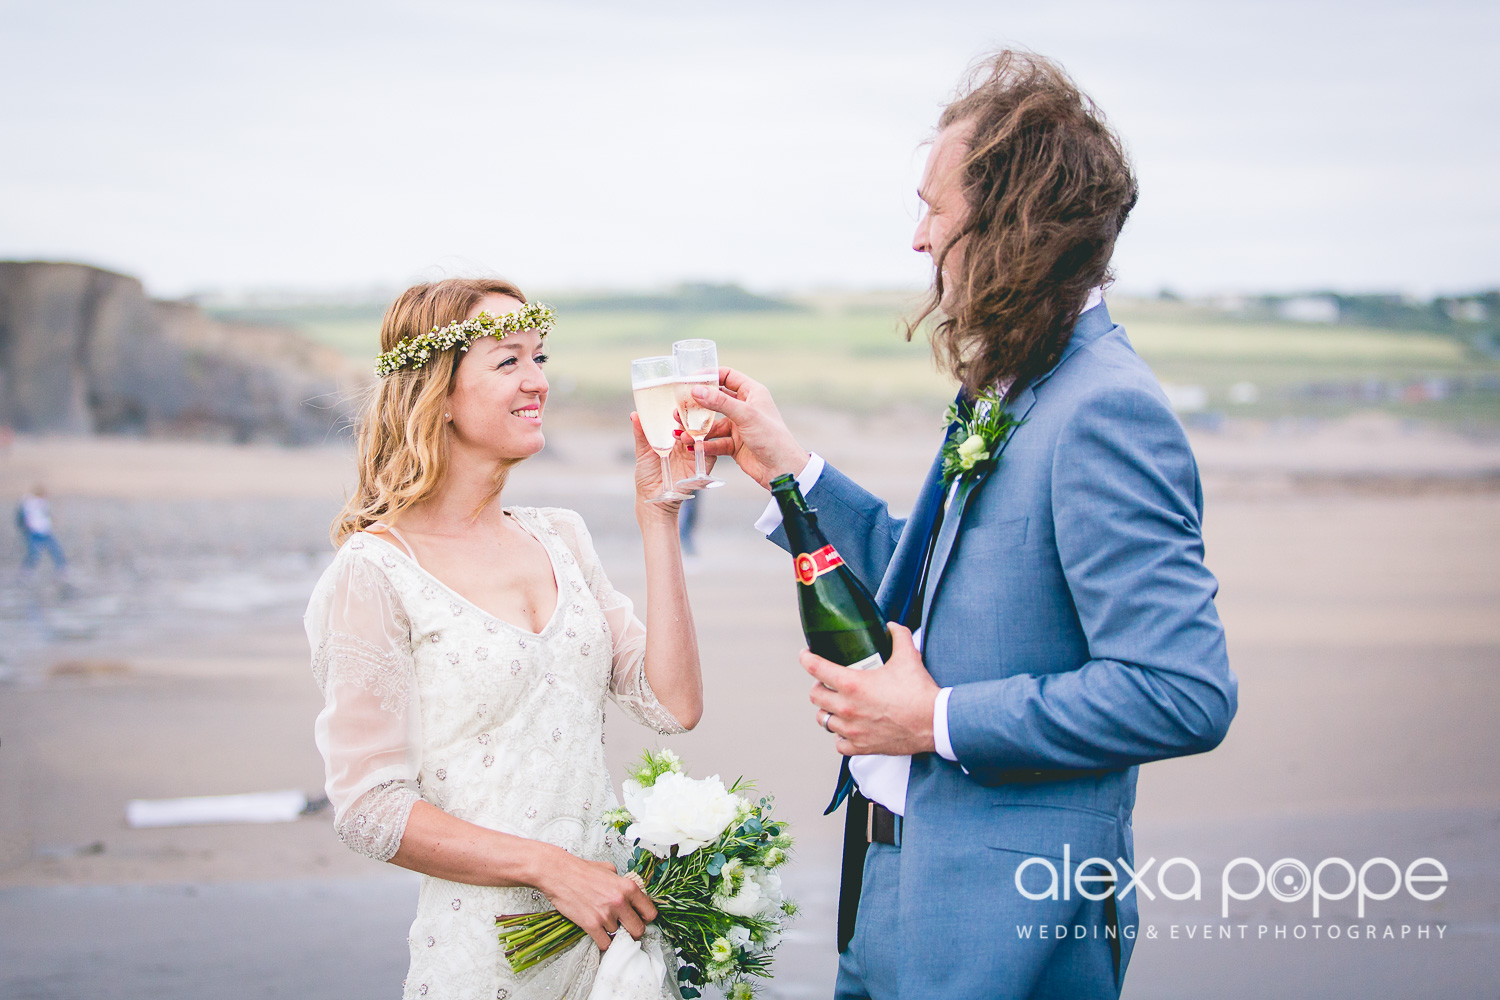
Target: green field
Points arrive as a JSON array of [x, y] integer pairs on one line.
[[851, 354], [1315, 369]]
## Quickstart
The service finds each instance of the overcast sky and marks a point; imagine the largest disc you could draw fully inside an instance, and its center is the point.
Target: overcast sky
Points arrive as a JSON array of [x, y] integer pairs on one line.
[[231, 146]]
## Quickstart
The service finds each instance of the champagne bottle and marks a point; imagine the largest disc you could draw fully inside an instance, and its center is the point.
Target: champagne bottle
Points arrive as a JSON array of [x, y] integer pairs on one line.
[[839, 617]]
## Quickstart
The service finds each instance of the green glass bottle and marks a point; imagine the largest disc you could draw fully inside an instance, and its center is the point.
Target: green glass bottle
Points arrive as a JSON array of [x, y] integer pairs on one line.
[[839, 617]]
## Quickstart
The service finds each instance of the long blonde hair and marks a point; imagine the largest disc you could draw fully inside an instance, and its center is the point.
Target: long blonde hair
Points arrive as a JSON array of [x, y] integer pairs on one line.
[[403, 443]]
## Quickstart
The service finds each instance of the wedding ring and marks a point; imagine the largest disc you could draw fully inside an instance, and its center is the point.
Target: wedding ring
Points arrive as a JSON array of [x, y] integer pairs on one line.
[[827, 717]]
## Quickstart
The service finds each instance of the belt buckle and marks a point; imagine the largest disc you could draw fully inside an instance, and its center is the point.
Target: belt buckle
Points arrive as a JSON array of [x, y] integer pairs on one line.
[[869, 822]]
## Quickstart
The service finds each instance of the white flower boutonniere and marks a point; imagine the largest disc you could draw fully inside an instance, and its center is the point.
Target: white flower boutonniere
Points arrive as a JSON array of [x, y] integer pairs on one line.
[[975, 441]]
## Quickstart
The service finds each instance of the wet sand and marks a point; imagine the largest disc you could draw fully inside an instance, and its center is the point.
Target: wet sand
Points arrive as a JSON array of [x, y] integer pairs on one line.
[[1359, 586]]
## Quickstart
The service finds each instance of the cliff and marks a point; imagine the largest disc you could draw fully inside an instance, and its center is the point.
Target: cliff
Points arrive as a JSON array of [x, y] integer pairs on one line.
[[83, 351]]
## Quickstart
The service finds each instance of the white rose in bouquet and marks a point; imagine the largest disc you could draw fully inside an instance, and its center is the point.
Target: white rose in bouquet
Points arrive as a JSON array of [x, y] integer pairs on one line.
[[769, 884], [771, 899], [749, 892], [678, 811]]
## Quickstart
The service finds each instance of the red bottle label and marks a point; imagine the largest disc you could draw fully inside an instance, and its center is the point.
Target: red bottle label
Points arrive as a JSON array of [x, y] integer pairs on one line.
[[811, 565]]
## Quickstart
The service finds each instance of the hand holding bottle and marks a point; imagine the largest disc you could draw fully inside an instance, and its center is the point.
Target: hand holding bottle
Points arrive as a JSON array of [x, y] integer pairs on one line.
[[881, 711], [885, 711]]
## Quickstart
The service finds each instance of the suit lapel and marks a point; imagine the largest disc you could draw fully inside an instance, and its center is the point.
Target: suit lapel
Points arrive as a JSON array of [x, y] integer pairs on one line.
[[1090, 327], [900, 580], [1019, 408]]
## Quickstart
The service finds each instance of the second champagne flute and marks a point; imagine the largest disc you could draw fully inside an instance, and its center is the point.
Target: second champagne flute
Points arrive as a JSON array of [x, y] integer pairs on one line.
[[654, 383], [697, 365]]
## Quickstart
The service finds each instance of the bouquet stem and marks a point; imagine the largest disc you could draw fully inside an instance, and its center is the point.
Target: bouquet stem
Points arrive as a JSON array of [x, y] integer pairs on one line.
[[529, 939]]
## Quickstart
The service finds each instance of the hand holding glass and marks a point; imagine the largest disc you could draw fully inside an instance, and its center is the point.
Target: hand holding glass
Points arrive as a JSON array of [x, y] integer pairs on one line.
[[696, 363], [654, 383]]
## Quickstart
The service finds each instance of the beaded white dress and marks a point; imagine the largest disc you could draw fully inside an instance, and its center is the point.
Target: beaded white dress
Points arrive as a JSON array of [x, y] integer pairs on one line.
[[429, 697]]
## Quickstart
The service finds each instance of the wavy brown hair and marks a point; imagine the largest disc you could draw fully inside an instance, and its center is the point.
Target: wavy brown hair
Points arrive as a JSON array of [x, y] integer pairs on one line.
[[1048, 187], [403, 443]]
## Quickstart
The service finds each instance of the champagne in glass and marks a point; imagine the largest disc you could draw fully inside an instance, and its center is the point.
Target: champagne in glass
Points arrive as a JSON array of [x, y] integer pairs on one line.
[[654, 383], [697, 365], [696, 418]]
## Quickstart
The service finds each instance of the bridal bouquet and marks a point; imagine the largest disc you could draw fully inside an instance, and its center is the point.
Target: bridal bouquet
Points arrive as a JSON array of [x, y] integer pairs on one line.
[[706, 856]]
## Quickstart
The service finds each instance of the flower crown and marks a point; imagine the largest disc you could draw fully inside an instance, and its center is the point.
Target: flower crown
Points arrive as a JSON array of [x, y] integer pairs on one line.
[[414, 352]]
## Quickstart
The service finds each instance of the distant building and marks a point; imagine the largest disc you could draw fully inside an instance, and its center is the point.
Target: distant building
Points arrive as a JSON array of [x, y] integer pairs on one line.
[[1244, 393], [1186, 398], [1309, 309], [1466, 310]]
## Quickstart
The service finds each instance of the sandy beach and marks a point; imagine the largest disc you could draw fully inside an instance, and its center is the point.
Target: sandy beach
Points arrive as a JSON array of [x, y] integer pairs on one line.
[[1358, 587]]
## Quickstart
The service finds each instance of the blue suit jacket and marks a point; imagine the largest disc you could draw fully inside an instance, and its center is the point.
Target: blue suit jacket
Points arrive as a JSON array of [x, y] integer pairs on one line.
[[1069, 608]]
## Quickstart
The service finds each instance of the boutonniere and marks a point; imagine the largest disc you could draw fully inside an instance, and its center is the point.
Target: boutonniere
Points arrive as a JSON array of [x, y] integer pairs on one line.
[[975, 440]]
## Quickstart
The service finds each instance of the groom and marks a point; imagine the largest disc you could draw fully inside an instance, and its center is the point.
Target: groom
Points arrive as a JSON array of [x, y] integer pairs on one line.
[[1054, 623]]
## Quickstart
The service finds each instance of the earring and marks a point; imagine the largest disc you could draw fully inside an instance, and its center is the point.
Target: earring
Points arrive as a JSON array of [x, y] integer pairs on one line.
[[447, 416]]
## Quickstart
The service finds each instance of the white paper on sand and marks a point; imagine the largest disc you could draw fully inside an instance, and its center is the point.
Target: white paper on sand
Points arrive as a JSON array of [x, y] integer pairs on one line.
[[629, 971], [255, 807]]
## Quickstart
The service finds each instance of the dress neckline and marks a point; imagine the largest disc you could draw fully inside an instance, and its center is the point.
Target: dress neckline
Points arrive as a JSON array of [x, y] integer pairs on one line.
[[532, 530]]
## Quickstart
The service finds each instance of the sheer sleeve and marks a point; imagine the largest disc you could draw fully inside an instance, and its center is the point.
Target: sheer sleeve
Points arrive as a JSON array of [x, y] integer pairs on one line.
[[628, 684], [369, 731]]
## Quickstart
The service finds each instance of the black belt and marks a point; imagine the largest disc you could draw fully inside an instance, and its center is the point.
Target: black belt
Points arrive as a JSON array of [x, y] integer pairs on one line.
[[881, 825]]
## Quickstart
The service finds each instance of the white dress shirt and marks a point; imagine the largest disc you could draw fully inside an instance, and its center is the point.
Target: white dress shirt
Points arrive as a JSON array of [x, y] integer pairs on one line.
[[37, 517], [882, 778]]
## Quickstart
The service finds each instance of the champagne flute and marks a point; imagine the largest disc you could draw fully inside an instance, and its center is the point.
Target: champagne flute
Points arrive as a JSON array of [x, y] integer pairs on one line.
[[654, 383], [697, 365]]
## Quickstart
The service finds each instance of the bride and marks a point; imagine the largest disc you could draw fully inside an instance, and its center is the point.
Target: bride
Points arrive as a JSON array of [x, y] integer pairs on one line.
[[465, 650]]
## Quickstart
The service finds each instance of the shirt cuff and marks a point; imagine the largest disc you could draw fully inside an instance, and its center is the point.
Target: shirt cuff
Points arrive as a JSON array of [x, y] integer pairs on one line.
[[770, 519], [940, 737]]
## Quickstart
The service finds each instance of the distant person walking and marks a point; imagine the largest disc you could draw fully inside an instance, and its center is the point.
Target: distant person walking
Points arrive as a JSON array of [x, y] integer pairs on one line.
[[34, 518]]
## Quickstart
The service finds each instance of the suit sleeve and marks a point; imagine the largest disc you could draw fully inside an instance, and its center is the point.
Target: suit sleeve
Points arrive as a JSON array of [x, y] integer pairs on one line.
[[1127, 515], [857, 522]]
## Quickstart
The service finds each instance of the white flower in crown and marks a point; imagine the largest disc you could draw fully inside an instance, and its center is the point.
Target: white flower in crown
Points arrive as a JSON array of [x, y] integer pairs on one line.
[[414, 352]]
